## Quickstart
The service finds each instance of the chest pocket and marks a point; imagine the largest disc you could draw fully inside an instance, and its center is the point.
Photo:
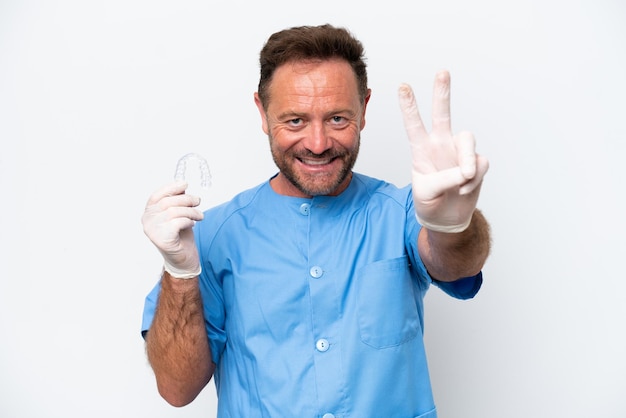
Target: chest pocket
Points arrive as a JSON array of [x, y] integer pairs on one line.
[[386, 306]]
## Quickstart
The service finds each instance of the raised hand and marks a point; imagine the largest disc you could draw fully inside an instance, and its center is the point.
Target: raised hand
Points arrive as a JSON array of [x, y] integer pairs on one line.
[[446, 170]]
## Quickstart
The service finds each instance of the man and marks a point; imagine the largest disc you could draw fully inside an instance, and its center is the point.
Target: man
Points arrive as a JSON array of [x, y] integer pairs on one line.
[[304, 295]]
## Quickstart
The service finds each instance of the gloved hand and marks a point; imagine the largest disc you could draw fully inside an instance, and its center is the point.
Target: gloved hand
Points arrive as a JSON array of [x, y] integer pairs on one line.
[[447, 172], [167, 221]]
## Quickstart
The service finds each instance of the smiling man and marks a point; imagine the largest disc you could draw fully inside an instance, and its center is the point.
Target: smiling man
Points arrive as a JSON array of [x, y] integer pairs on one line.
[[313, 121], [303, 296]]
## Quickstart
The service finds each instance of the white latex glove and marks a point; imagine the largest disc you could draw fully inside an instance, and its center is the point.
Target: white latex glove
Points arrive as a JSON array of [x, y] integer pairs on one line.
[[167, 221], [447, 172]]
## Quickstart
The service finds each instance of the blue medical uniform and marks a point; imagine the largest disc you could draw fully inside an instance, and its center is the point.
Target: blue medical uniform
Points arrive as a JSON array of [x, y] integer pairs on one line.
[[314, 307]]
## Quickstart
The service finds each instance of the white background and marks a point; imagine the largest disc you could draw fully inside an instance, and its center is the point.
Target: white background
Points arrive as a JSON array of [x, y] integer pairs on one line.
[[98, 100]]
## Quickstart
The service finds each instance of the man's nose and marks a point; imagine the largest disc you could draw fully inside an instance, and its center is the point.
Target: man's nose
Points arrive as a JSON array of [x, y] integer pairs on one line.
[[318, 139]]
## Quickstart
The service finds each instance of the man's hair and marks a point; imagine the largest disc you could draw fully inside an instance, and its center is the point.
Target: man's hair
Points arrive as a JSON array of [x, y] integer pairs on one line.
[[311, 43]]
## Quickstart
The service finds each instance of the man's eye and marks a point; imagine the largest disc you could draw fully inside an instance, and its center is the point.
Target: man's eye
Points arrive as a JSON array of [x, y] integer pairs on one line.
[[295, 122]]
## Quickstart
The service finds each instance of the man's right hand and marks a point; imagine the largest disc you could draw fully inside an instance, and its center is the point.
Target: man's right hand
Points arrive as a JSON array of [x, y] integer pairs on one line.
[[168, 220]]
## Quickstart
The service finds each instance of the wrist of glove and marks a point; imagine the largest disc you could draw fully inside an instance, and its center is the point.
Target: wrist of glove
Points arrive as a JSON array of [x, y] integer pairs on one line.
[[452, 228], [181, 260], [179, 273]]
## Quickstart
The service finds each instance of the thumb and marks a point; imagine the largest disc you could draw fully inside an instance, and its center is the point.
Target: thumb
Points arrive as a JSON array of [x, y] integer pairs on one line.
[[432, 185]]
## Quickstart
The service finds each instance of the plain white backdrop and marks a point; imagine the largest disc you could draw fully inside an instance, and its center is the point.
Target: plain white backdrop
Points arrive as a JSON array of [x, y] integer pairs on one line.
[[98, 100]]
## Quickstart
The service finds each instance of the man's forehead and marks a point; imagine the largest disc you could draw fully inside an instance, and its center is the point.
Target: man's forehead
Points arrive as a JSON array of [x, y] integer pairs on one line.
[[314, 74], [304, 66]]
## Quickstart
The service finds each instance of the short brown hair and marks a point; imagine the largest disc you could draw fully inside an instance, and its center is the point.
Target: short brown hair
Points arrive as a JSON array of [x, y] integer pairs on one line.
[[304, 43]]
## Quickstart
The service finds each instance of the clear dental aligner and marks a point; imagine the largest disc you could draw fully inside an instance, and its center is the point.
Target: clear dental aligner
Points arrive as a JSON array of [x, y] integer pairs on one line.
[[203, 166]]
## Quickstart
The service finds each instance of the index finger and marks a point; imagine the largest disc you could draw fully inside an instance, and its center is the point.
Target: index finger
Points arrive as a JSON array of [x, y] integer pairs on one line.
[[441, 104], [172, 189], [412, 120]]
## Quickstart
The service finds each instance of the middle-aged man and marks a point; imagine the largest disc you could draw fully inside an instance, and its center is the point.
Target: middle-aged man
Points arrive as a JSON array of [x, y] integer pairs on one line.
[[303, 296]]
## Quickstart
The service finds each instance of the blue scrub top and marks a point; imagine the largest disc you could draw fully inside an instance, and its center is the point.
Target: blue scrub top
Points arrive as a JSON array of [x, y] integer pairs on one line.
[[314, 307]]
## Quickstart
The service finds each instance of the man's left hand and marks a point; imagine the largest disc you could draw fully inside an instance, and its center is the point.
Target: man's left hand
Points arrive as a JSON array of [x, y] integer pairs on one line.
[[447, 173]]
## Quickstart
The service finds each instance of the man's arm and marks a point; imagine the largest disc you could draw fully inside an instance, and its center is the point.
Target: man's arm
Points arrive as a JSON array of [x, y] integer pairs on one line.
[[177, 344], [451, 256], [447, 175]]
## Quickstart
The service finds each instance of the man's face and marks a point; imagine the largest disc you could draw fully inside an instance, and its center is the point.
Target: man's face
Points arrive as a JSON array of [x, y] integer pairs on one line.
[[313, 120]]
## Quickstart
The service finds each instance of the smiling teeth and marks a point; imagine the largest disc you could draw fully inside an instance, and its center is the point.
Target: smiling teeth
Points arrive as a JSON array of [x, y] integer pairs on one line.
[[316, 162]]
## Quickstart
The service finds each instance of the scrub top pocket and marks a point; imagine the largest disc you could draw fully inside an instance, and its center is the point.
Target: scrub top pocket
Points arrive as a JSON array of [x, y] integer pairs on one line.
[[386, 305]]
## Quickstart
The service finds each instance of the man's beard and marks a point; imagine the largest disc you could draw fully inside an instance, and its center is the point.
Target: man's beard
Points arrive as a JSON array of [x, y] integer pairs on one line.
[[316, 185]]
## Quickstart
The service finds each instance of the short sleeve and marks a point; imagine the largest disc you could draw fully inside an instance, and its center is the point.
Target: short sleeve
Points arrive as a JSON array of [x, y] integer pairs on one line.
[[464, 288], [149, 308]]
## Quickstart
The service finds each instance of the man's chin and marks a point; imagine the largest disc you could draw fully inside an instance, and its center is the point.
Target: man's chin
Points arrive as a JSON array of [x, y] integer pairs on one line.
[[322, 185]]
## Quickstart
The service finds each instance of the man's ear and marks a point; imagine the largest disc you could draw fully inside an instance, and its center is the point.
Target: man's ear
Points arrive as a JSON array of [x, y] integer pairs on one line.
[[259, 106], [365, 101]]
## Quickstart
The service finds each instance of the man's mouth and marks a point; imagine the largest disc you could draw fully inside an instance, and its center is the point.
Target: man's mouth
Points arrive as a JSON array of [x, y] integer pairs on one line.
[[316, 161]]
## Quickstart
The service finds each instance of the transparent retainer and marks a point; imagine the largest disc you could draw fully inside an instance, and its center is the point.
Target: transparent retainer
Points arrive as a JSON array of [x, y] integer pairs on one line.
[[203, 166]]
